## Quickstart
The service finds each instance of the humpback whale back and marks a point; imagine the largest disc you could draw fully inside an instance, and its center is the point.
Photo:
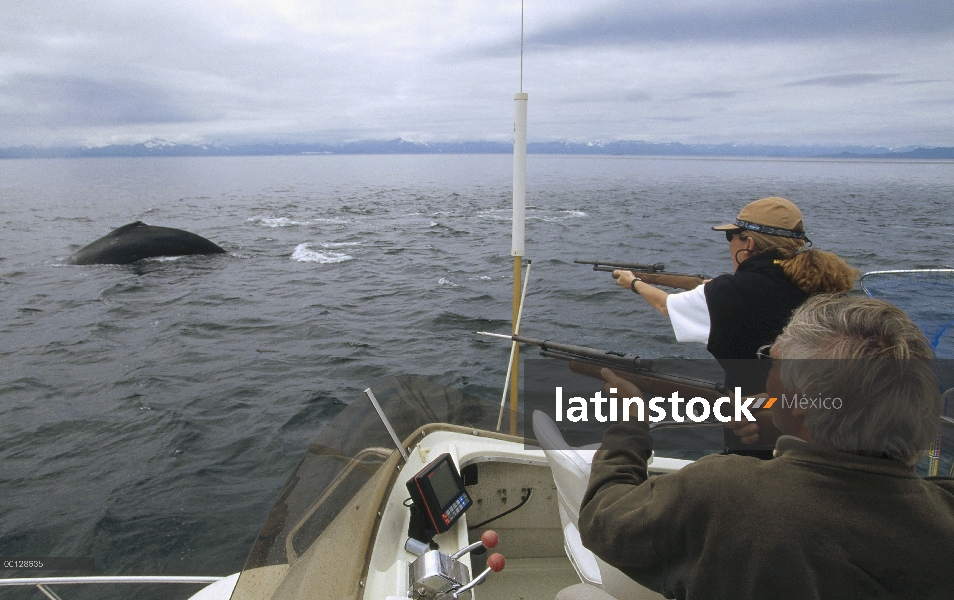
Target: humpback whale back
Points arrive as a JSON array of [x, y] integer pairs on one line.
[[137, 241]]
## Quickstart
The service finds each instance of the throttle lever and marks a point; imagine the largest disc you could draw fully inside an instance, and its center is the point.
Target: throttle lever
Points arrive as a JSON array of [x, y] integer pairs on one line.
[[495, 563], [488, 539]]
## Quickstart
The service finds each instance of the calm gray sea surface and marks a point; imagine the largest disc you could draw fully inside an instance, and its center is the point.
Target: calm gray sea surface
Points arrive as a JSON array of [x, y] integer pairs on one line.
[[149, 414]]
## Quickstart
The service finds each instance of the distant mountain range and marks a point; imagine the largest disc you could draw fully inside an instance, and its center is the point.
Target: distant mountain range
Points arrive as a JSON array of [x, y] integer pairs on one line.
[[399, 146]]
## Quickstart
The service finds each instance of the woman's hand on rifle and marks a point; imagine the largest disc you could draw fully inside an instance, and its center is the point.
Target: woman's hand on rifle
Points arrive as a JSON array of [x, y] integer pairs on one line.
[[655, 296]]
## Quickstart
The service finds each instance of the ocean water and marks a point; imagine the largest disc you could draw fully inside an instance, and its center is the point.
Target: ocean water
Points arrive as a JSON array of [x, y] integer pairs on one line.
[[149, 414]]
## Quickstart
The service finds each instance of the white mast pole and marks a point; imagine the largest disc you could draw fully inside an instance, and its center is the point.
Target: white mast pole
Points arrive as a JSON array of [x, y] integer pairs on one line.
[[519, 221]]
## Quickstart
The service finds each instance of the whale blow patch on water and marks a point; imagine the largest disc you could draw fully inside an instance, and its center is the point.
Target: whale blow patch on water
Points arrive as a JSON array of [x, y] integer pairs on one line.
[[304, 253], [137, 241]]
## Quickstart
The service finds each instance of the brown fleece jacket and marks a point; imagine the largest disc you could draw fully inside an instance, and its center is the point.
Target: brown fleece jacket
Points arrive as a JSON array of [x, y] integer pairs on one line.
[[808, 524]]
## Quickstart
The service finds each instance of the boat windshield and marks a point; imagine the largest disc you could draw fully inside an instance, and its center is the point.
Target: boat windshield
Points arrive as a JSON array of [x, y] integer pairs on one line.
[[317, 537]]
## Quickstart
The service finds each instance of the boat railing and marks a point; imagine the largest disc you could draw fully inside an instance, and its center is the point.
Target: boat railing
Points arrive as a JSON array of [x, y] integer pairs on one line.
[[42, 582]]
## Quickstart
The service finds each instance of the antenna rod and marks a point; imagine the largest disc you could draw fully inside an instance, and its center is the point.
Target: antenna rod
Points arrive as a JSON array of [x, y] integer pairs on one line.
[[519, 222]]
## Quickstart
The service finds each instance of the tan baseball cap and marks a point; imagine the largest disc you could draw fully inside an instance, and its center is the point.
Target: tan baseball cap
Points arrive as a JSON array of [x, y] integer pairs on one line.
[[771, 216]]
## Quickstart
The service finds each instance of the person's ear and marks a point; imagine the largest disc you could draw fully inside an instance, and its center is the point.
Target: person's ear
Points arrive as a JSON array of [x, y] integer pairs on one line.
[[799, 413], [749, 244]]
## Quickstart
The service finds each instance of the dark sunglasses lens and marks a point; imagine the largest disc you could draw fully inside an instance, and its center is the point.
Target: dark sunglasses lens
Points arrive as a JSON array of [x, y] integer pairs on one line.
[[728, 236]]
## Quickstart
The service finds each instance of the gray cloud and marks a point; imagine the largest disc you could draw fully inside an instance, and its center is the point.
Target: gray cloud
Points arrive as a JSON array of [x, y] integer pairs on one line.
[[673, 119], [846, 80], [79, 101], [920, 82], [636, 97], [713, 95], [650, 23], [627, 96]]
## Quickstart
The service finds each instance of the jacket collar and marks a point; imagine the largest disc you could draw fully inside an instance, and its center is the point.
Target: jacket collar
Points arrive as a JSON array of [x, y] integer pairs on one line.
[[797, 449], [764, 260]]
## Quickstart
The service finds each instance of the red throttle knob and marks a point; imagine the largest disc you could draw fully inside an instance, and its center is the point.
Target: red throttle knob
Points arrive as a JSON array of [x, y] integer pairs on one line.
[[496, 562], [490, 539]]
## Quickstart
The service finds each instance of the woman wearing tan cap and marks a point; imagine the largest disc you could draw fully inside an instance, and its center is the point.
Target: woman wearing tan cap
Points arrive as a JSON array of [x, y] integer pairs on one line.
[[774, 273]]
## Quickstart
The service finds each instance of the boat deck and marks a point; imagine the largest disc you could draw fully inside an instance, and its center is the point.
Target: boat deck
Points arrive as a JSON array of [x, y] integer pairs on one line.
[[526, 578]]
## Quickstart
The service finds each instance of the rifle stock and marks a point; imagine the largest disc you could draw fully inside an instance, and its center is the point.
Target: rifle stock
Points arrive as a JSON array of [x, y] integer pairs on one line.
[[673, 280]]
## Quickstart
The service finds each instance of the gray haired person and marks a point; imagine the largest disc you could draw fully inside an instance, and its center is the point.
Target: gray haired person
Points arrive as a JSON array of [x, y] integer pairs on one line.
[[839, 513]]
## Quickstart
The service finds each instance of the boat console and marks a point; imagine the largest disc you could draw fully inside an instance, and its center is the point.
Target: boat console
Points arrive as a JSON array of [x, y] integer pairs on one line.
[[438, 500]]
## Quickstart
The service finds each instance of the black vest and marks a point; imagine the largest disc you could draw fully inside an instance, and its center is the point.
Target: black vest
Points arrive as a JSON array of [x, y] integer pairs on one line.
[[748, 310]]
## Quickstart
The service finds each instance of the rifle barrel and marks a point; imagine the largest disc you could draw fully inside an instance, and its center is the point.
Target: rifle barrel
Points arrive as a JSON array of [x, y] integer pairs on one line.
[[651, 268], [616, 359], [644, 273]]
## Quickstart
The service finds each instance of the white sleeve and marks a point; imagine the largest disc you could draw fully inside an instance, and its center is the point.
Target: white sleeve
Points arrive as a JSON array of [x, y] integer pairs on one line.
[[689, 315]]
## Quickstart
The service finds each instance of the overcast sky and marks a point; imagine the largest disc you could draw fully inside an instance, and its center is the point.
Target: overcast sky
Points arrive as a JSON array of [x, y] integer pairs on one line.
[[96, 72]]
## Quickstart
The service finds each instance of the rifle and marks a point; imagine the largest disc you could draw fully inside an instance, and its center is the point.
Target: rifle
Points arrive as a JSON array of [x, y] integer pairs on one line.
[[640, 371], [653, 274]]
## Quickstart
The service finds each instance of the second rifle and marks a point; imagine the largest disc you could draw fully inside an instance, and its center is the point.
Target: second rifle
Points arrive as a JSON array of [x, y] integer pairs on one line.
[[640, 371]]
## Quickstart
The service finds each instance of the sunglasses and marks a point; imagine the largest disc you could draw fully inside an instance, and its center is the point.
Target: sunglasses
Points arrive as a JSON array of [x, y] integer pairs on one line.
[[729, 234]]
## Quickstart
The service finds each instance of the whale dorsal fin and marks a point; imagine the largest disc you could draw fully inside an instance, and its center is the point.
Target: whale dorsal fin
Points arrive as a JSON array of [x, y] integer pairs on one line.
[[130, 226]]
